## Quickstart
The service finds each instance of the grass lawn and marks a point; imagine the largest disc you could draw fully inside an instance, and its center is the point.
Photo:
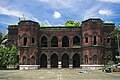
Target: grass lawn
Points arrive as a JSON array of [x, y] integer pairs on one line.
[[57, 74]]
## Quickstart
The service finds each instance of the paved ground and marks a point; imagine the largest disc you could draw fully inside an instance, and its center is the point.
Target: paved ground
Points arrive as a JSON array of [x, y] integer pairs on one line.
[[58, 74]]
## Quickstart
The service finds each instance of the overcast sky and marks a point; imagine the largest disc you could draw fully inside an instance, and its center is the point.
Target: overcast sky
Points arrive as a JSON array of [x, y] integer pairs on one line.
[[56, 12]]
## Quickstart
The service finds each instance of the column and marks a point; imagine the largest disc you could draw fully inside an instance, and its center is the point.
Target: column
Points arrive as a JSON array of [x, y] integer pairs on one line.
[[70, 42], [59, 64], [48, 63], [70, 63]]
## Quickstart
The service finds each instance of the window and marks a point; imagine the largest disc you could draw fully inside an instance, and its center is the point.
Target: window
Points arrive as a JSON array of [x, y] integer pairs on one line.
[[100, 39], [76, 41], [54, 42], [108, 40], [43, 41], [86, 39], [65, 41], [95, 42], [25, 41], [33, 40]]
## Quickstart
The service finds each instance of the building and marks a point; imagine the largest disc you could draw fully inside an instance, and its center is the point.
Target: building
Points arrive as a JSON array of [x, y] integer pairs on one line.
[[88, 45]]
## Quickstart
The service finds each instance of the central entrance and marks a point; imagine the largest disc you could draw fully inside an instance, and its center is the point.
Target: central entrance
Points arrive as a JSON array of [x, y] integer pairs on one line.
[[65, 61], [54, 61]]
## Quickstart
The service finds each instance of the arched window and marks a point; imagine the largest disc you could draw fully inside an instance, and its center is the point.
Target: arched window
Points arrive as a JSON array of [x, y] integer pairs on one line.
[[25, 41], [24, 60], [32, 60], [76, 41], [95, 41], [43, 41], [65, 41], [86, 39], [33, 40], [54, 42], [108, 40], [95, 59]]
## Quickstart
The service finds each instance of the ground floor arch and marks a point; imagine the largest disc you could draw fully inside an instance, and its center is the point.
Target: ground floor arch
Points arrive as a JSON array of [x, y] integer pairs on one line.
[[65, 61], [76, 60], [43, 61], [54, 61]]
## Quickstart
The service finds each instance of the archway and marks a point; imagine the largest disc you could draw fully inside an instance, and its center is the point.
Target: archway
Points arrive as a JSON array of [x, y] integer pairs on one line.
[[54, 61], [65, 61], [76, 60], [43, 61]]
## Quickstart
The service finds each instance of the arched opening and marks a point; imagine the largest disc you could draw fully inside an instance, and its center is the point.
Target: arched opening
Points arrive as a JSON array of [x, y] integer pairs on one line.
[[108, 40], [65, 41], [43, 41], [85, 59], [32, 60], [25, 41], [86, 39], [65, 61], [95, 41], [76, 41], [95, 59], [33, 40], [54, 61], [54, 42], [76, 60], [24, 60], [43, 61]]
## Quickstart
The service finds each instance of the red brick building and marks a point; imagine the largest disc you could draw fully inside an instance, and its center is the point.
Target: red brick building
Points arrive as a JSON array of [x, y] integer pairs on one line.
[[62, 47]]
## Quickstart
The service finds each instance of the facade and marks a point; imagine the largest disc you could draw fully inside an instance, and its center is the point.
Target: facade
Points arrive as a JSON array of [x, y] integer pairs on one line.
[[62, 47]]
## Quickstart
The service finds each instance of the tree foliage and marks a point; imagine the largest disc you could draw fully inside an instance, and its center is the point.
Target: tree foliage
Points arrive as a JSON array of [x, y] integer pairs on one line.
[[72, 23], [8, 56], [116, 36], [115, 32]]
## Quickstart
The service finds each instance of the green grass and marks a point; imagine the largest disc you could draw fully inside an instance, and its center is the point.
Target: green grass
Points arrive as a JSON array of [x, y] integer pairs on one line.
[[57, 74]]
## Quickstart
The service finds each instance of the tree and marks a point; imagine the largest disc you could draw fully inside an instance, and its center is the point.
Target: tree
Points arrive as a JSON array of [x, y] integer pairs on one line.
[[13, 57], [42, 25], [72, 23], [4, 40], [8, 56], [116, 34], [4, 55]]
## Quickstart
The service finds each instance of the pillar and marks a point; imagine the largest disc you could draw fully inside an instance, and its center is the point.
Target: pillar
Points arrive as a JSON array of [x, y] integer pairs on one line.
[[59, 64], [70, 63], [48, 63]]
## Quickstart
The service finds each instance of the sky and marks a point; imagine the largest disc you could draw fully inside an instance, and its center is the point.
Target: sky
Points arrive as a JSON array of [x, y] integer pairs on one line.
[[57, 12]]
